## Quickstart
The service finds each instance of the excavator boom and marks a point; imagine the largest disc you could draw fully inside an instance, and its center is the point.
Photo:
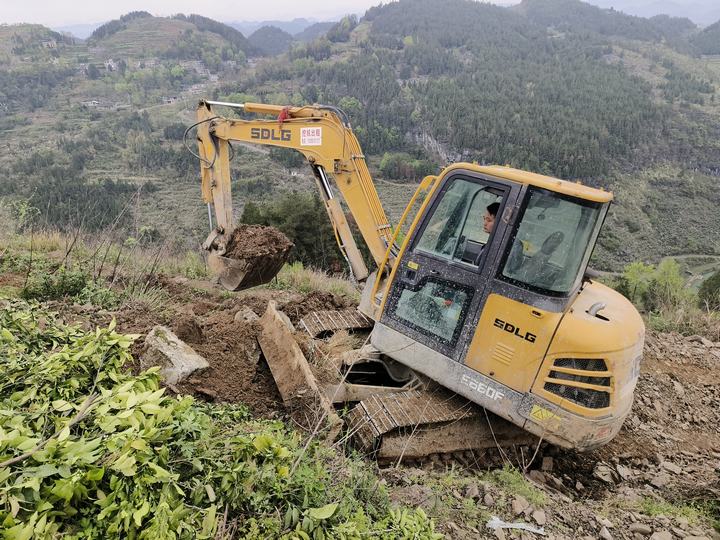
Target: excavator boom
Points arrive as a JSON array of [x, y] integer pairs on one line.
[[323, 135]]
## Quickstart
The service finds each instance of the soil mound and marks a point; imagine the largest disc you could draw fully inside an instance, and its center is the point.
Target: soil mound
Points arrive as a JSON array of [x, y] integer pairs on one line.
[[236, 373], [248, 241], [188, 329]]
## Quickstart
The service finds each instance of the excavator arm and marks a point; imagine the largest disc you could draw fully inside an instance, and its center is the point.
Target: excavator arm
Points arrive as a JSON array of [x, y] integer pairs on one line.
[[323, 135]]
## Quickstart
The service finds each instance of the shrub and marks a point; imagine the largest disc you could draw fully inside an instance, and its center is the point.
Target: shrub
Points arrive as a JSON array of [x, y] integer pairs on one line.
[[54, 285], [666, 289], [709, 293]]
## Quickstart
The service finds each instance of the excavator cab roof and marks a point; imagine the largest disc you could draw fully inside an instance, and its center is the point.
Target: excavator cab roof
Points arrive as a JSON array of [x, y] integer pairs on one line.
[[573, 189]]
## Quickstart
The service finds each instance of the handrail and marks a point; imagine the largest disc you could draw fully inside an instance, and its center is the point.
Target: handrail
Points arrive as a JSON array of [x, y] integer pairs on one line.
[[424, 186]]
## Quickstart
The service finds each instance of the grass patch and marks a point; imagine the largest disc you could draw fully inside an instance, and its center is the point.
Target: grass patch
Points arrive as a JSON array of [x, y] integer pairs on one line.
[[9, 291], [295, 277], [694, 512], [190, 265], [447, 502], [512, 481]]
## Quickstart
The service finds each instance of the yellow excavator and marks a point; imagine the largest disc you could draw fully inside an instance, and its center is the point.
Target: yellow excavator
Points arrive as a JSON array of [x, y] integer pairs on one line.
[[485, 334]]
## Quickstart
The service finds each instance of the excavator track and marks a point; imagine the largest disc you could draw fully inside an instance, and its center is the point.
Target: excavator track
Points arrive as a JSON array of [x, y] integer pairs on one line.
[[415, 424]]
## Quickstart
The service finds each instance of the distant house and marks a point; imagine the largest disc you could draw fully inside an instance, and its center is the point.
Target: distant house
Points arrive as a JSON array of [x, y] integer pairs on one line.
[[49, 44], [196, 65], [169, 100], [196, 89], [147, 63], [712, 57], [90, 103], [110, 65]]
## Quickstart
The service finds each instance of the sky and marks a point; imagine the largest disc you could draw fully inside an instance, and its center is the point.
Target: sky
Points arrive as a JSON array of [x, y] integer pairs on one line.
[[67, 12], [58, 13]]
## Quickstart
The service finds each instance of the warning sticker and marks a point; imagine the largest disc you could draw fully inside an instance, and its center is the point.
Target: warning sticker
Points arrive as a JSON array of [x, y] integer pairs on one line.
[[311, 136], [543, 415]]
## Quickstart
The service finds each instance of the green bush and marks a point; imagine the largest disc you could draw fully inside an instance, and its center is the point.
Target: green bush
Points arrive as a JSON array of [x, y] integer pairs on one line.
[[666, 289], [709, 293], [54, 285]]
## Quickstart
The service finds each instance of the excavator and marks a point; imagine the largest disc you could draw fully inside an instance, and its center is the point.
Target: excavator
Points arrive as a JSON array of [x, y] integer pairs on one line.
[[484, 336]]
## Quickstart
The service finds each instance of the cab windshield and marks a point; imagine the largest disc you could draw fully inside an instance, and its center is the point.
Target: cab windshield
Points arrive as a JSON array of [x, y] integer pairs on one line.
[[552, 242]]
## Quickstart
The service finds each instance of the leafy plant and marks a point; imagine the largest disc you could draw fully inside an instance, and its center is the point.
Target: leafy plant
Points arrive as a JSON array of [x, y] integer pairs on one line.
[[53, 285], [88, 450]]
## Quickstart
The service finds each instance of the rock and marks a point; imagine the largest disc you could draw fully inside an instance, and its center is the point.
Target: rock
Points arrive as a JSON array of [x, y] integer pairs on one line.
[[488, 500], [547, 464], [246, 315], [605, 473], [679, 389], [604, 522], [624, 472], [500, 534], [579, 486], [678, 532], [682, 522], [537, 476], [472, 492], [519, 505], [605, 534], [697, 538], [539, 517], [176, 358], [662, 535], [641, 528], [660, 480], [671, 467]]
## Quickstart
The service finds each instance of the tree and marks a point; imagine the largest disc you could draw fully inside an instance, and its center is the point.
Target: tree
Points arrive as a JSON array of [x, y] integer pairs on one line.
[[634, 281], [303, 218], [93, 72]]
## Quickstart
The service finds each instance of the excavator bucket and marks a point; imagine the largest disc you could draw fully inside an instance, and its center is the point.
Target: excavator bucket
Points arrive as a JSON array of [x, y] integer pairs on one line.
[[253, 256]]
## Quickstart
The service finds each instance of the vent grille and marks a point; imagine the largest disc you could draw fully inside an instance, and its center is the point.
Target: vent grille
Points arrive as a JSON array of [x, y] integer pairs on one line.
[[585, 381], [503, 354]]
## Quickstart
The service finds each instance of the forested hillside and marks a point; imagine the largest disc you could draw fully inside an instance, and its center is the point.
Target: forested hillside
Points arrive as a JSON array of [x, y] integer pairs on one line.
[[271, 40], [555, 86], [708, 41]]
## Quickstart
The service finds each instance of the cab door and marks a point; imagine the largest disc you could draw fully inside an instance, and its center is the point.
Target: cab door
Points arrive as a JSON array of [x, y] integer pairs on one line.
[[439, 281]]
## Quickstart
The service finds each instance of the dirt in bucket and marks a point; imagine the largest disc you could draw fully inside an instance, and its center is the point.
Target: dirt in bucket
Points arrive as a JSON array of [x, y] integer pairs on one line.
[[256, 241]]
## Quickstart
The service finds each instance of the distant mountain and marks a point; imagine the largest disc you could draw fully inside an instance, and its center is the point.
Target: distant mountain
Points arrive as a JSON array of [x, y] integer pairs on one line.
[[291, 27], [314, 31], [81, 31], [577, 16], [179, 37], [271, 40], [702, 12]]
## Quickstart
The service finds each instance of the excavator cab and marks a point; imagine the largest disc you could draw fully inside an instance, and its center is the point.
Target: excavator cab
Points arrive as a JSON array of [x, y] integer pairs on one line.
[[497, 324]]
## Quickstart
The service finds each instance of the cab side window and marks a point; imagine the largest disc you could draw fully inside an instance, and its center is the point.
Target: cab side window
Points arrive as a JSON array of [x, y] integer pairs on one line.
[[455, 229]]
